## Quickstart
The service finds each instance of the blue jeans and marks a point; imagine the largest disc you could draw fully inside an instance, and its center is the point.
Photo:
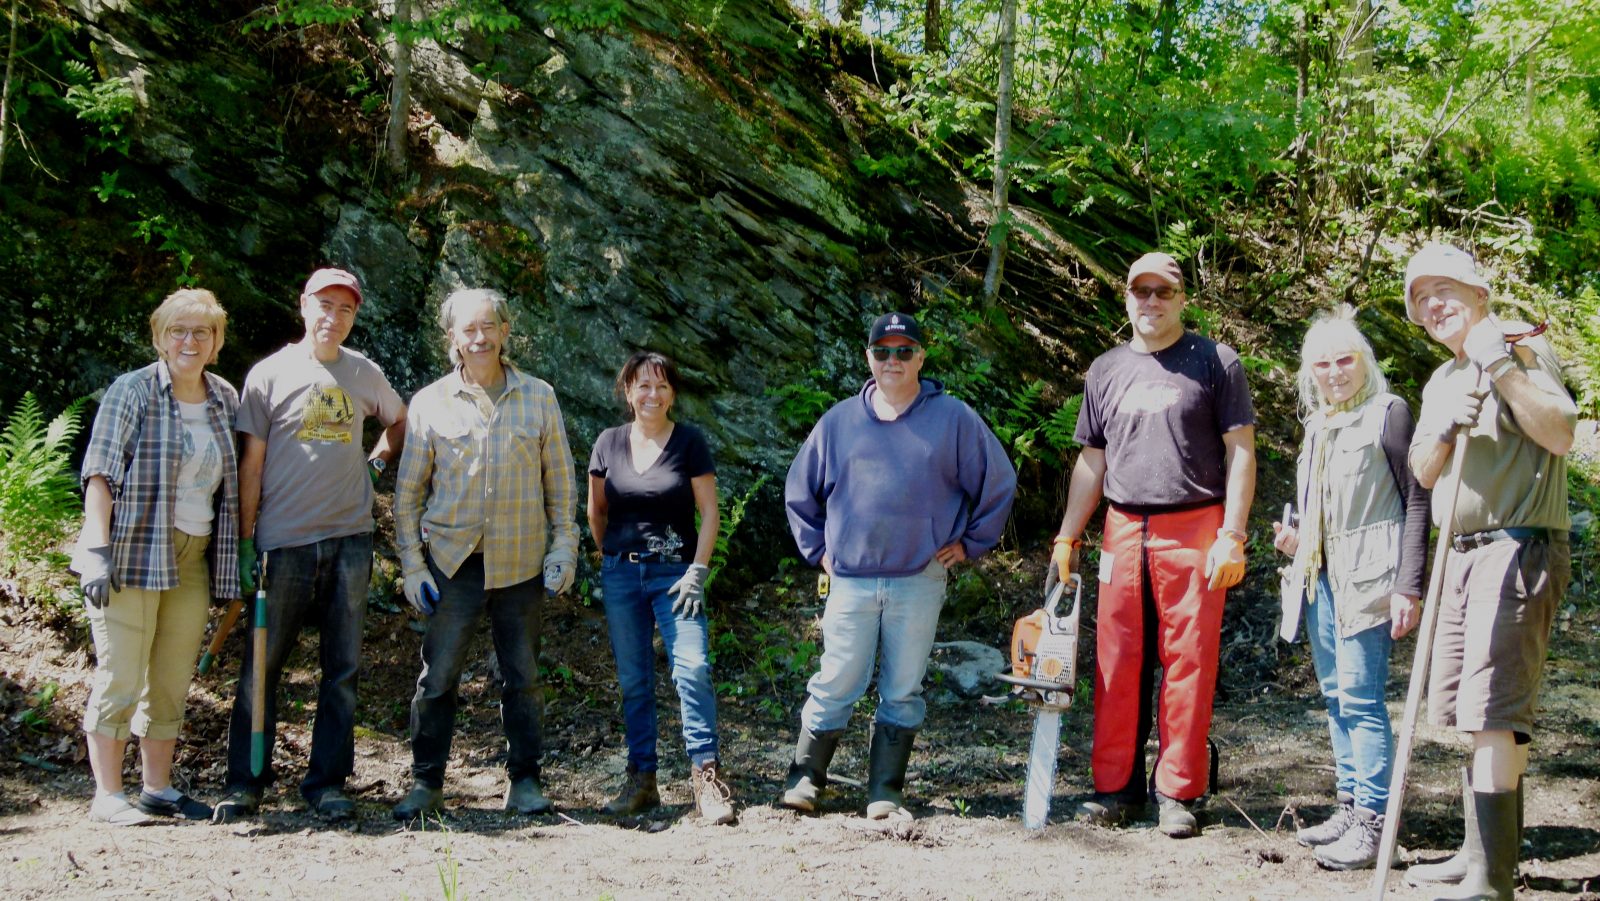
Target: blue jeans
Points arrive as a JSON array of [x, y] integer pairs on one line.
[[514, 614], [1353, 673], [637, 602], [888, 621], [324, 585]]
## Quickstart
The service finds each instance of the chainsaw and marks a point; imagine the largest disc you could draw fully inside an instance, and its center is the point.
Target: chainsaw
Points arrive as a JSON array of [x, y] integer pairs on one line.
[[1044, 668]]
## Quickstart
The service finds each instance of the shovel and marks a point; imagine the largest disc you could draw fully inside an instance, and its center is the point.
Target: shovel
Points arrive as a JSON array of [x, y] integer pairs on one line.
[[1044, 664], [258, 686], [235, 607]]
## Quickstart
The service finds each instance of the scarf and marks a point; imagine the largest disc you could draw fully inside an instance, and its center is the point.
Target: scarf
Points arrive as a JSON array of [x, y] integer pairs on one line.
[[1312, 526]]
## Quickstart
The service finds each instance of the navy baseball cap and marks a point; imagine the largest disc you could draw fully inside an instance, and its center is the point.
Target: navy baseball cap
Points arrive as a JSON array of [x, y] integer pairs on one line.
[[894, 324]]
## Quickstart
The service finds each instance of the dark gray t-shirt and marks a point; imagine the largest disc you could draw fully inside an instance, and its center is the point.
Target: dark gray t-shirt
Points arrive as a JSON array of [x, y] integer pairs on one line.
[[1160, 419], [651, 511]]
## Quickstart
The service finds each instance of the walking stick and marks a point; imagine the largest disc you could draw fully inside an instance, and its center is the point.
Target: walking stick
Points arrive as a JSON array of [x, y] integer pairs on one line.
[[235, 607], [258, 686], [1419, 670]]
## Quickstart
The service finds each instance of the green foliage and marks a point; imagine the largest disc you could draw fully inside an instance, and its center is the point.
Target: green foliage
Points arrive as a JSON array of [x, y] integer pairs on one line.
[[303, 14], [157, 228], [584, 15], [37, 717], [1031, 432], [106, 105], [731, 518], [801, 404], [38, 491]]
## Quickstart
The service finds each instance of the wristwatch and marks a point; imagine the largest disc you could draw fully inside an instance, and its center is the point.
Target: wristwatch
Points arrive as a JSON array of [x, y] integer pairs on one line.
[[378, 464], [1236, 534]]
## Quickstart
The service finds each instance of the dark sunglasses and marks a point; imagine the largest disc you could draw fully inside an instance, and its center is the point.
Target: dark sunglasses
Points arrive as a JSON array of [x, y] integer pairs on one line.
[[903, 352]]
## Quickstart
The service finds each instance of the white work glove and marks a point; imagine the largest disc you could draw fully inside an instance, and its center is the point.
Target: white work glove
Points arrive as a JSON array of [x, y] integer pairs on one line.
[[1486, 344], [558, 577], [422, 592], [690, 591]]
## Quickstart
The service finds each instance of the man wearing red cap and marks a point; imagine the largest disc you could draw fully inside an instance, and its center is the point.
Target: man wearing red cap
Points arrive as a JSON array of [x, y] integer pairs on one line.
[[306, 503], [1509, 561], [1168, 435]]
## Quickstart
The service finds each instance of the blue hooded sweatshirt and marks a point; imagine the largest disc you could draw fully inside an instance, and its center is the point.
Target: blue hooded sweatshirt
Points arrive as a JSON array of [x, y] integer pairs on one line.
[[880, 498]]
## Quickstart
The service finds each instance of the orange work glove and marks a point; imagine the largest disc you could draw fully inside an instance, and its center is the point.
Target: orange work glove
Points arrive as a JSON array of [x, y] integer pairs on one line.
[[1063, 560], [1225, 560]]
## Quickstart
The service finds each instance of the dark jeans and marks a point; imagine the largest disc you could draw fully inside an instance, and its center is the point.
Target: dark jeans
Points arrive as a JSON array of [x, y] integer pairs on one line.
[[324, 585], [514, 613]]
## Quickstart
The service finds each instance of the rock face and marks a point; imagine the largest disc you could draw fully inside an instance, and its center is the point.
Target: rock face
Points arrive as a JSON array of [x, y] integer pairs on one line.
[[683, 180]]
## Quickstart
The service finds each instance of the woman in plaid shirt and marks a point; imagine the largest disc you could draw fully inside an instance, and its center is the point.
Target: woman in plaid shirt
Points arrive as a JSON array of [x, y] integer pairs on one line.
[[159, 540]]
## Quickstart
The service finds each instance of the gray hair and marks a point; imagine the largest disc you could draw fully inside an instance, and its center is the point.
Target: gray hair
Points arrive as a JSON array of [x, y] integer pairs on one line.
[[467, 297], [1335, 330]]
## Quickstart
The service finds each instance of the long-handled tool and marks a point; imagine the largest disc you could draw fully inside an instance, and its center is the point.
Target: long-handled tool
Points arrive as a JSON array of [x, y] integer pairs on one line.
[[1419, 668], [258, 685], [1044, 667], [235, 607]]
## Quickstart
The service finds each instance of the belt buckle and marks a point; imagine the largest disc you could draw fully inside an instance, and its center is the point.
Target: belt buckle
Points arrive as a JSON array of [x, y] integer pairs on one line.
[[633, 557]]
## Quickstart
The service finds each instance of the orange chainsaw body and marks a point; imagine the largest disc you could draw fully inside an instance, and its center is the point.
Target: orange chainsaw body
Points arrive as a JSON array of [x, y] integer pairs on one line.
[[1044, 652]]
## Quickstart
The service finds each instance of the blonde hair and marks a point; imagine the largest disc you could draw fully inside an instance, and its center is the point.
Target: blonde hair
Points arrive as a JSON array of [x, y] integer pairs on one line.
[[1334, 330], [184, 302]]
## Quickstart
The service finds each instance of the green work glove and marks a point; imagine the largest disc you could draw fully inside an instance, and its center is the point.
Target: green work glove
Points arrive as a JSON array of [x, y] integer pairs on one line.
[[247, 565], [375, 468]]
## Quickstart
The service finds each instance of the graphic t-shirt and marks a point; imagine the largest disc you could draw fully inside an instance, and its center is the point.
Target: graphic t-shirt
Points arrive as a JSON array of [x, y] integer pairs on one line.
[[651, 511], [199, 471], [1160, 419], [314, 483]]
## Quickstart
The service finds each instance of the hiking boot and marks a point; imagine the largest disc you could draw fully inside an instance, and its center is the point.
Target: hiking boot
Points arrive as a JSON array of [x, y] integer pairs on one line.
[[333, 806], [1175, 819], [236, 804], [184, 808], [808, 772], [1357, 849], [421, 801], [638, 794], [712, 797], [526, 796], [1111, 809], [1329, 831], [886, 771]]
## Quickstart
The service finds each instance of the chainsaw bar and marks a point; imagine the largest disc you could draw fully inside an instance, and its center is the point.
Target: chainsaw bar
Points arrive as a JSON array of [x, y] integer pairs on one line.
[[1041, 768]]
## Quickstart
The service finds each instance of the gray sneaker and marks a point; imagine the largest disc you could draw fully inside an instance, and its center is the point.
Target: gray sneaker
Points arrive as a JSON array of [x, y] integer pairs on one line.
[[1176, 819], [1332, 829], [1107, 809], [1357, 849]]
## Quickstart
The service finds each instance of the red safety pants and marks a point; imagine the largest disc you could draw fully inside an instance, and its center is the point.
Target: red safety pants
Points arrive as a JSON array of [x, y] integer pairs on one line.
[[1156, 604]]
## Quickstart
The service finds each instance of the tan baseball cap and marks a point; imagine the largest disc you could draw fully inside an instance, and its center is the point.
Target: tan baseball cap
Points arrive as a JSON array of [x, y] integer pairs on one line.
[[1441, 260], [1158, 264]]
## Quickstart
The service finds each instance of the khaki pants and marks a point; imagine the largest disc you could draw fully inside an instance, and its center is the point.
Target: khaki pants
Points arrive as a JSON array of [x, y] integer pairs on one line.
[[146, 645]]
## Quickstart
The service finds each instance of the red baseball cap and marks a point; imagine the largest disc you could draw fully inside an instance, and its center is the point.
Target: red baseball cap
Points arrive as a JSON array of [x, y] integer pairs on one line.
[[329, 278]]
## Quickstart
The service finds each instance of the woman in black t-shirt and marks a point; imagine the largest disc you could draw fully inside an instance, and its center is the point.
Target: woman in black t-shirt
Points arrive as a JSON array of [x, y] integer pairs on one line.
[[647, 480]]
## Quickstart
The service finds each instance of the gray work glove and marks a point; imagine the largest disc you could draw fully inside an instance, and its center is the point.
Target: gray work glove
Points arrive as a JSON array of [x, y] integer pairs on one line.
[[1462, 413], [96, 576], [421, 592], [1486, 344], [558, 577], [691, 591]]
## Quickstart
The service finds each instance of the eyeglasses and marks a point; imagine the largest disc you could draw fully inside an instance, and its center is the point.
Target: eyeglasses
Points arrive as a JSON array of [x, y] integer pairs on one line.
[[1342, 361], [1143, 292], [903, 352], [179, 333]]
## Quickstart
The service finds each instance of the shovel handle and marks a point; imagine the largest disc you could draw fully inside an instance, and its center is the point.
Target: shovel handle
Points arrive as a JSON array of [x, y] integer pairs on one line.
[[258, 684], [224, 628]]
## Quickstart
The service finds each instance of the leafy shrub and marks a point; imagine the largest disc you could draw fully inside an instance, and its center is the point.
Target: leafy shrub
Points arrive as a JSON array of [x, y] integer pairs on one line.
[[38, 491]]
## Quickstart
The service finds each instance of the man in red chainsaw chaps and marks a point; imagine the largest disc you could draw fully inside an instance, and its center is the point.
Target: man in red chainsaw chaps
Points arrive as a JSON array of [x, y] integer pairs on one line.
[[1168, 435], [1509, 560]]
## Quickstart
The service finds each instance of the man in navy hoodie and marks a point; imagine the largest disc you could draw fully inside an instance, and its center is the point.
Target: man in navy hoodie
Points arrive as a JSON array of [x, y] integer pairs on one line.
[[892, 488]]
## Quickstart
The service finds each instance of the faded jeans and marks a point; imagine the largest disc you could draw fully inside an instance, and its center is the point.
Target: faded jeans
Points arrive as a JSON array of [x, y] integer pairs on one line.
[[514, 619], [637, 603], [1353, 673], [323, 585], [890, 622]]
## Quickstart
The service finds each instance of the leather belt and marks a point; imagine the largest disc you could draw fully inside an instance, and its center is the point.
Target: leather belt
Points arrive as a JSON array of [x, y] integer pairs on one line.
[[1464, 543]]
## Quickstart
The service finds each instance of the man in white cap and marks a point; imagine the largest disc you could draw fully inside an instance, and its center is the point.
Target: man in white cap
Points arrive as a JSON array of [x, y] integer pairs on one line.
[[1168, 435], [306, 490], [1509, 562]]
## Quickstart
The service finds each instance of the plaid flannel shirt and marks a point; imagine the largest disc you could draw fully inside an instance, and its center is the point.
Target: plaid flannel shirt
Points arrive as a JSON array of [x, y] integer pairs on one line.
[[495, 474], [137, 445]]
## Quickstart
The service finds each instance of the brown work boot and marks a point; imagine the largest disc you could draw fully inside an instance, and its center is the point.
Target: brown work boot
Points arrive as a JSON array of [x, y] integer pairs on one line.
[[638, 794], [712, 797]]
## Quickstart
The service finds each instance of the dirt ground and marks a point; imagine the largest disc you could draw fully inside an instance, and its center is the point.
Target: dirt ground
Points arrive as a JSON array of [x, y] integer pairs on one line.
[[965, 785]]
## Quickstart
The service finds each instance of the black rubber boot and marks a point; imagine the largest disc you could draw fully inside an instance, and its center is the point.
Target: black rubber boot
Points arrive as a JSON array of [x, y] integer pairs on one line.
[[808, 772], [1491, 850], [886, 771]]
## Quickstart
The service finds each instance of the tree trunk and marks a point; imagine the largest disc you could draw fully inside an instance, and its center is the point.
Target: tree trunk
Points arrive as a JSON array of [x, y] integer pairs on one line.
[[5, 90], [400, 89], [1002, 144], [850, 12], [932, 29]]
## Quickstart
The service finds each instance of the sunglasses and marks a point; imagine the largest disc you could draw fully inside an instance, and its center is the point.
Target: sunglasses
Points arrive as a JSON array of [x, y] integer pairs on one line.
[[903, 353], [1342, 361], [1143, 292]]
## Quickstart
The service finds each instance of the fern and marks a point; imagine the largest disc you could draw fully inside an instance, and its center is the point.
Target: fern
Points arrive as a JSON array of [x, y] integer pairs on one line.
[[38, 492], [723, 546]]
